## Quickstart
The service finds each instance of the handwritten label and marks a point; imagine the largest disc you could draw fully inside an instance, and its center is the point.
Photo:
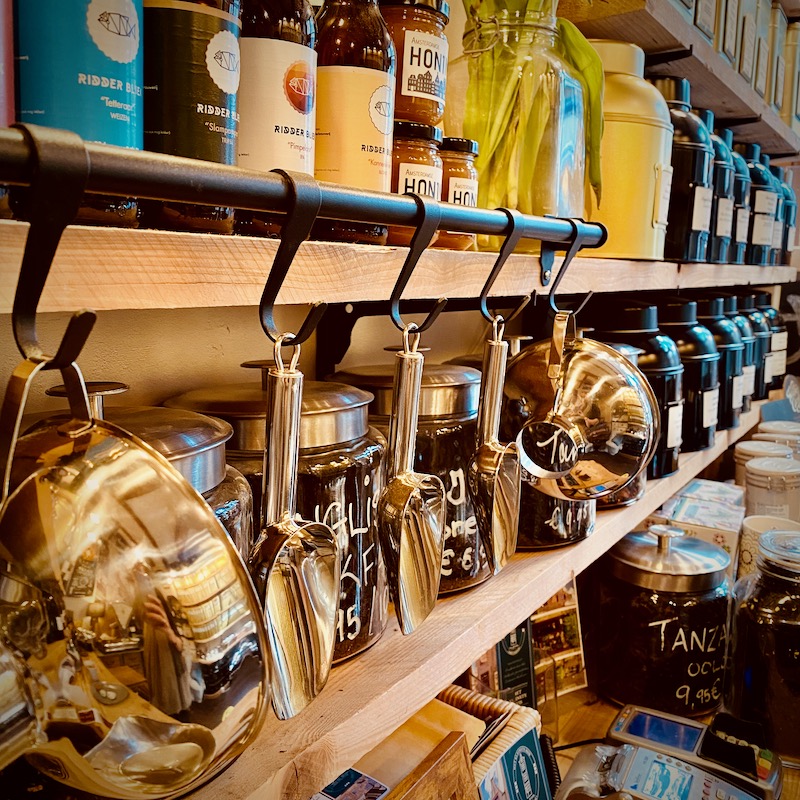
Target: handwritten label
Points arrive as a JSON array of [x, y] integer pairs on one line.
[[737, 391], [663, 192], [762, 230], [461, 530], [675, 425], [710, 408], [742, 225], [701, 212], [724, 217]]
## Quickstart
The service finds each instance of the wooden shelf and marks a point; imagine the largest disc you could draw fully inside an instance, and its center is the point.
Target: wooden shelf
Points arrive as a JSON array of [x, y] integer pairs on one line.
[[370, 696], [658, 26], [114, 268]]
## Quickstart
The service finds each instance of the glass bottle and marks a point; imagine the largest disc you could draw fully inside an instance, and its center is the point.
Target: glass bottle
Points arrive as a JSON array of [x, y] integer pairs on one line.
[[356, 61], [532, 131], [191, 72], [277, 109], [79, 67]]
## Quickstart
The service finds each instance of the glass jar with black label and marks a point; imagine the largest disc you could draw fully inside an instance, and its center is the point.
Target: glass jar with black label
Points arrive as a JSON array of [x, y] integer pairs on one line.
[[340, 475], [730, 307], [665, 600], [762, 330], [764, 682], [446, 434], [741, 199]]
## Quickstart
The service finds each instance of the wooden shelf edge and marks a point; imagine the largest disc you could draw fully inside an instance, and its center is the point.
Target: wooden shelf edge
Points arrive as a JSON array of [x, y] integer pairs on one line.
[[118, 269], [370, 696]]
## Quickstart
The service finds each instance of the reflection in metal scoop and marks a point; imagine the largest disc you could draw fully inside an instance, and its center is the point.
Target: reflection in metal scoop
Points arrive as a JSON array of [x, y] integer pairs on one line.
[[411, 508], [295, 564], [494, 473]]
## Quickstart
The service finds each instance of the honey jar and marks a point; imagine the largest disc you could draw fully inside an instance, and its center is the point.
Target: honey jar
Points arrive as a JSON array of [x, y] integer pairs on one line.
[[459, 186]]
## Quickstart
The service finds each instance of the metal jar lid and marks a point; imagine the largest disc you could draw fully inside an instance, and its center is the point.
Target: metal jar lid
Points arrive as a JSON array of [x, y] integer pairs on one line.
[[448, 390], [333, 413], [780, 426], [754, 448], [780, 549], [664, 559], [773, 472]]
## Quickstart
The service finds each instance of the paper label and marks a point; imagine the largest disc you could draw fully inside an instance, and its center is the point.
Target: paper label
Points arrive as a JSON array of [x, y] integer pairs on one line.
[[748, 54], [737, 391], [791, 238], [742, 224], [277, 112], [705, 16], [663, 192], [749, 378], [731, 29], [701, 212], [710, 408], [779, 341], [780, 78], [765, 202], [777, 235], [778, 363], [770, 509], [724, 217], [462, 192], [675, 425], [762, 62], [768, 373], [762, 229], [420, 179], [424, 66], [355, 148]]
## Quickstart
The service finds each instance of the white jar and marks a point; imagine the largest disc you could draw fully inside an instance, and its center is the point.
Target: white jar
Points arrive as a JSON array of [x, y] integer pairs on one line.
[[780, 426], [789, 439], [772, 487], [752, 528], [746, 451]]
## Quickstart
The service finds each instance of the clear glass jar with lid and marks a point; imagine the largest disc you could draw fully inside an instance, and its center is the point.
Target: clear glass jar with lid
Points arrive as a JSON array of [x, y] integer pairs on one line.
[[446, 435], [764, 679], [340, 475]]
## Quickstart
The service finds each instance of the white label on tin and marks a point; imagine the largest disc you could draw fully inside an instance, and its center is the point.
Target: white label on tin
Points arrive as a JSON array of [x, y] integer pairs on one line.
[[742, 224], [710, 408], [780, 341], [762, 229], [791, 238], [768, 368], [765, 203], [701, 213], [737, 391], [777, 235], [779, 363], [675, 425], [663, 192], [724, 217], [749, 378]]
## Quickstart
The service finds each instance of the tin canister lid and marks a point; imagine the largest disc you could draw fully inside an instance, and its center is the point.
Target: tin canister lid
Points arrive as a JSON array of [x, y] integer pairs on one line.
[[770, 467], [621, 57], [664, 559], [744, 451], [780, 426], [448, 390], [780, 549]]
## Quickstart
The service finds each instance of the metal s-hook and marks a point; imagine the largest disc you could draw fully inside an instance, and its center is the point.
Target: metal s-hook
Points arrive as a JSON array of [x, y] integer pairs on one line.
[[305, 199], [574, 246], [515, 219], [431, 215], [49, 204]]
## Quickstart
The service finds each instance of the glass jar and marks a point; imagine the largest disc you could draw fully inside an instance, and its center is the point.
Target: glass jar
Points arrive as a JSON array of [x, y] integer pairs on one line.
[[772, 487], [417, 29], [525, 105], [339, 479], [753, 448], [416, 167], [665, 600], [546, 522], [764, 681], [446, 435], [459, 186]]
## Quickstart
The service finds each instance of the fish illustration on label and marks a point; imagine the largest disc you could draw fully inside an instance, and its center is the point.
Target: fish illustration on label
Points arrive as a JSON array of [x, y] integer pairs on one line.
[[299, 88], [222, 61], [120, 24], [114, 28], [381, 109]]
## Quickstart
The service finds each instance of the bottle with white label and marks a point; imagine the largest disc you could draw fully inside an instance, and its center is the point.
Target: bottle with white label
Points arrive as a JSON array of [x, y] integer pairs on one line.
[[763, 334], [741, 198], [356, 67], [700, 358], [780, 337], [789, 212], [731, 311], [277, 109], [763, 203], [459, 186], [722, 210], [775, 254], [691, 199]]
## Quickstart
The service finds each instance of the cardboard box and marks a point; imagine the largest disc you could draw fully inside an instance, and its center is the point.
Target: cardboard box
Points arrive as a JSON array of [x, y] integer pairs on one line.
[[713, 492]]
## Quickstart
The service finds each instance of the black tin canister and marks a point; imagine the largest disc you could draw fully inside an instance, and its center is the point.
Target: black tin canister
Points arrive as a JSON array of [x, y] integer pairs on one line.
[[730, 307], [722, 209], [741, 198], [780, 337]]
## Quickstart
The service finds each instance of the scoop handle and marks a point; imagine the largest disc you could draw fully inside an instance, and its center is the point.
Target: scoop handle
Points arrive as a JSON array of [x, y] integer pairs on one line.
[[405, 411], [284, 389], [495, 356]]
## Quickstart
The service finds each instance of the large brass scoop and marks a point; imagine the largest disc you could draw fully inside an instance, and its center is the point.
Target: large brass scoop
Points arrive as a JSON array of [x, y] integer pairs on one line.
[[411, 507], [494, 473], [294, 563]]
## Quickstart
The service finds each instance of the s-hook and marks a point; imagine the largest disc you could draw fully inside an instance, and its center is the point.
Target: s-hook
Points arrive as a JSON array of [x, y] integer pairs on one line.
[[305, 199], [59, 174], [515, 219], [574, 246], [427, 226]]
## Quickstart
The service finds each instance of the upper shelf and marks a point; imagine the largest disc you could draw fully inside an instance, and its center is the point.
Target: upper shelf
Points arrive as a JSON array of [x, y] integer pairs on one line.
[[115, 268], [657, 26], [369, 696]]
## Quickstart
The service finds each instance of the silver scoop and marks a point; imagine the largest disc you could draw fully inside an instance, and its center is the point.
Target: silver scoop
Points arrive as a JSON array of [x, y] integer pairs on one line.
[[294, 563], [108, 553], [494, 473], [411, 507]]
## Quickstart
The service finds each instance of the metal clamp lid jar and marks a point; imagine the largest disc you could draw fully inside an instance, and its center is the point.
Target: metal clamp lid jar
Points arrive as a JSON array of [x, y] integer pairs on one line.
[[773, 487], [746, 451], [664, 623], [448, 408]]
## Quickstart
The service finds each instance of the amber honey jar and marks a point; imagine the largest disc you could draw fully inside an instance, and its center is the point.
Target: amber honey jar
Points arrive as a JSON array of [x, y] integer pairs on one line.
[[416, 167], [417, 29], [459, 186]]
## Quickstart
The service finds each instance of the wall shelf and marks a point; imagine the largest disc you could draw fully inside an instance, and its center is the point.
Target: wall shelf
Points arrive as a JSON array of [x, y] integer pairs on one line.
[[368, 697], [115, 268]]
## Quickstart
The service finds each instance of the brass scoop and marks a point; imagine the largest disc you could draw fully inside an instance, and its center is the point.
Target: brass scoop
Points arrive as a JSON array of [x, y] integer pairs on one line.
[[411, 507], [294, 563], [494, 473]]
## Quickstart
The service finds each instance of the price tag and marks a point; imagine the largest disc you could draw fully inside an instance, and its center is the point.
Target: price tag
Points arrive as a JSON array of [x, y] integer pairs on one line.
[[749, 378], [675, 425], [737, 391], [701, 212], [742, 224], [762, 229], [724, 217], [710, 407]]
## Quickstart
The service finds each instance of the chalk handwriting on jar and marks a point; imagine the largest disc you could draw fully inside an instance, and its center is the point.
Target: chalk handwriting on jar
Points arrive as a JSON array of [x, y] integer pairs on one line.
[[707, 640], [461, 530], [457, 493], [562, 521], [342, 521], [562, 449], [348, 624]]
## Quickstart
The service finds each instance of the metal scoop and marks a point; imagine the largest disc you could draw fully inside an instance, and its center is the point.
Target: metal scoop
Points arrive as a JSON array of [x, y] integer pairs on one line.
[[411, 508], [294, 563], [494, 473]]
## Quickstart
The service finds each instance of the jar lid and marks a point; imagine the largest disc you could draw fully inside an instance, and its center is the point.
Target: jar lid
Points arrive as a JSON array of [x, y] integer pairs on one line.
[[710, 307], [780, 426], [676, 91], [442, 6], [473, 360], [780, 549], [665, 559], [332, 413], [459, 145], [762, 300], [417, 130], [769, 466], [626, 316], [193, 443], [789, 439], [760, 449], [677, 310], [448, 390], [777, 171], [621, 57], [628, 350], [730, 304]]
